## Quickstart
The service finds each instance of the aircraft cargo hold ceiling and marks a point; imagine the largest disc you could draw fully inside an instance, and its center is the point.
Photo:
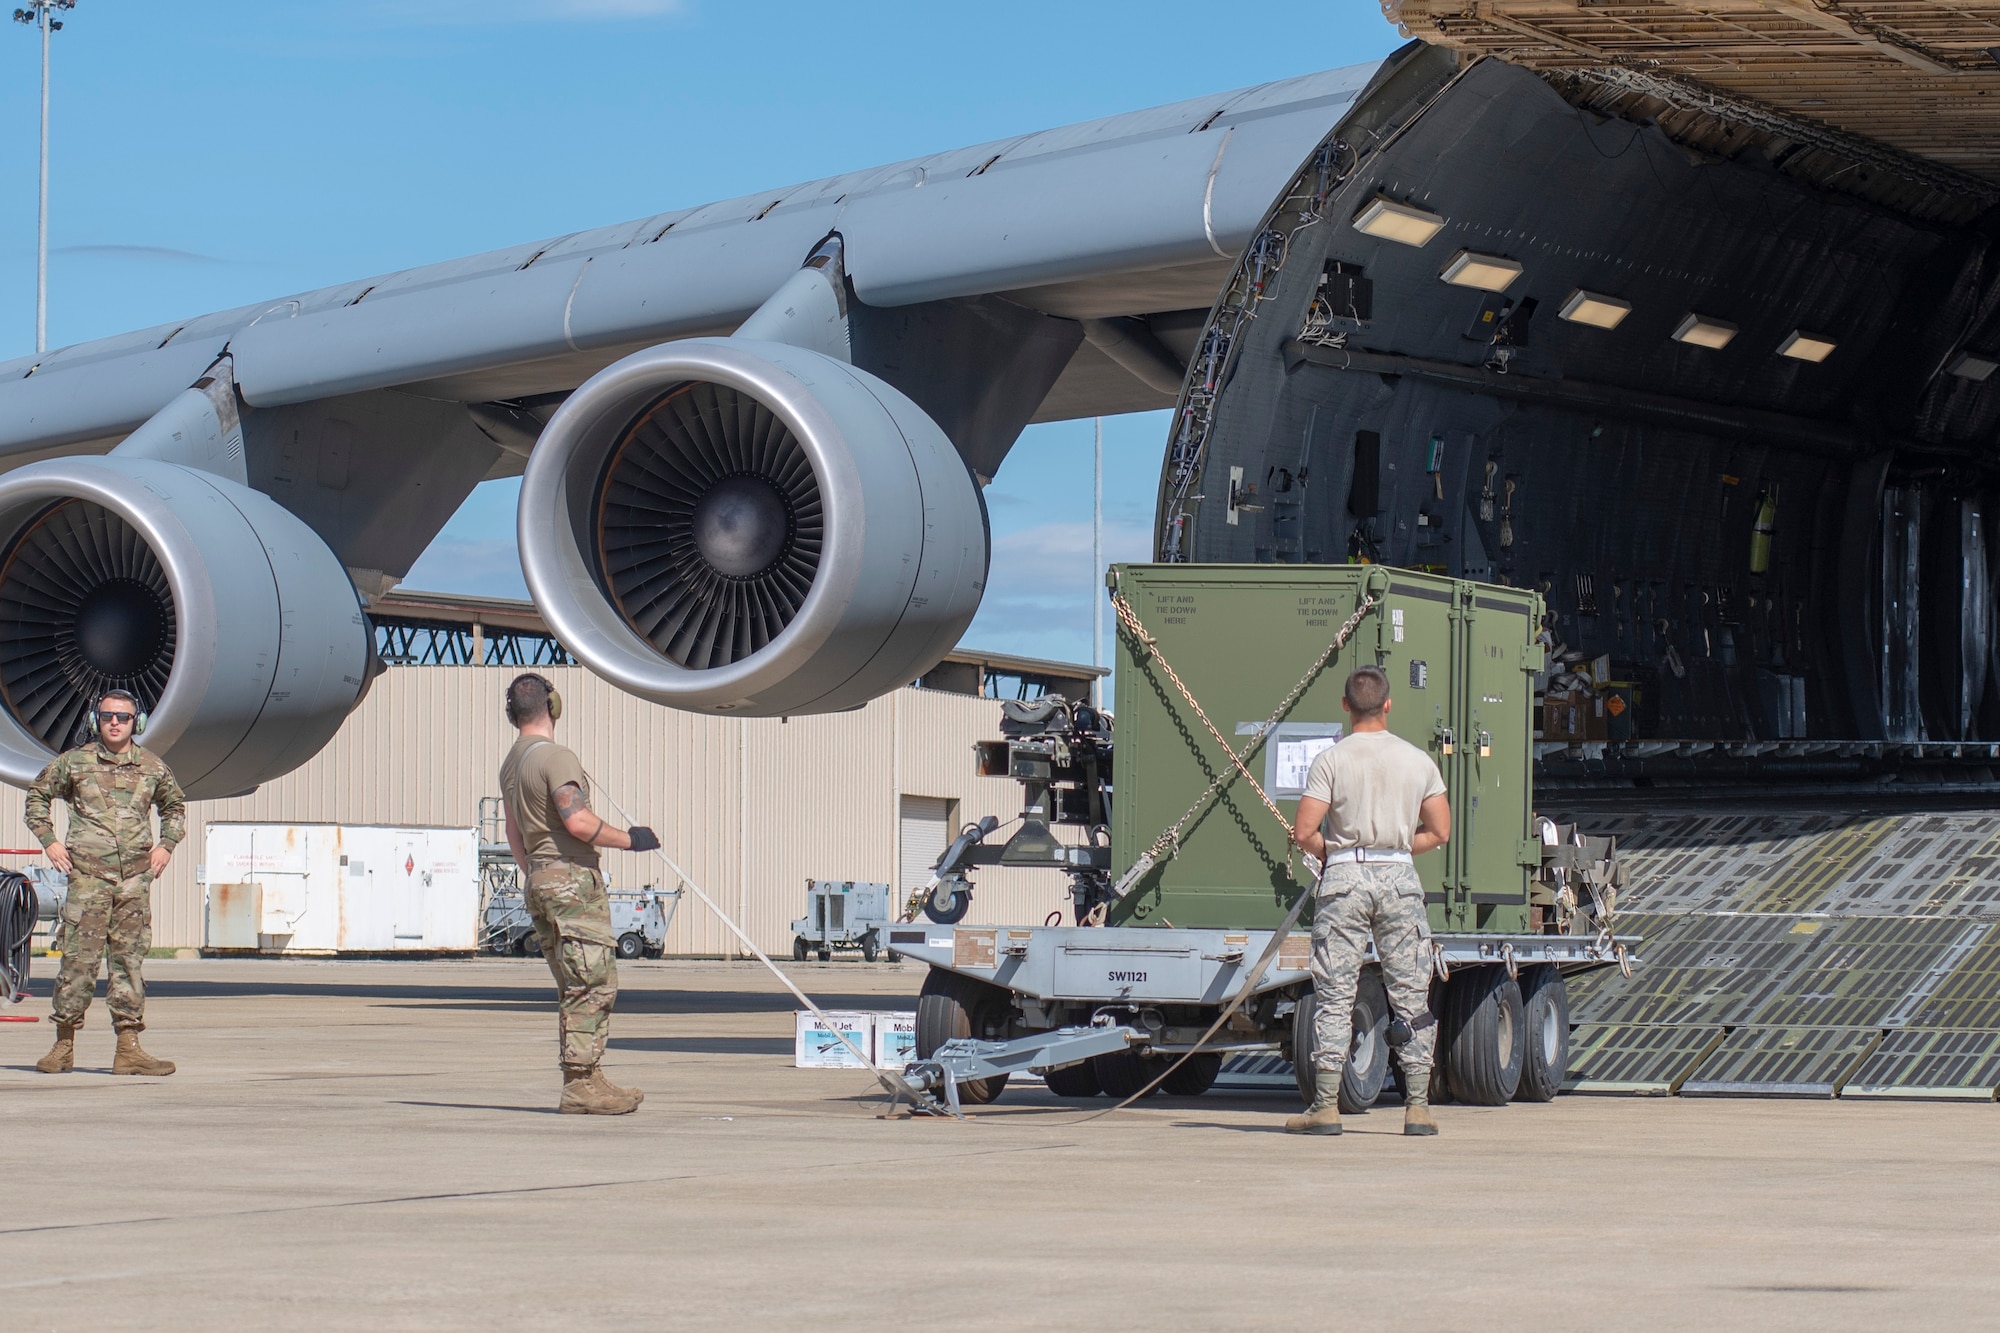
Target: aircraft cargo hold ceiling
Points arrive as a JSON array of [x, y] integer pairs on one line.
[[1721, 384]]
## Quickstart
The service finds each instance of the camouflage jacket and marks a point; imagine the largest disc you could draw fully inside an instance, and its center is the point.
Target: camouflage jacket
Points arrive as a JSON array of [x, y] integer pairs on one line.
[[111, 798]]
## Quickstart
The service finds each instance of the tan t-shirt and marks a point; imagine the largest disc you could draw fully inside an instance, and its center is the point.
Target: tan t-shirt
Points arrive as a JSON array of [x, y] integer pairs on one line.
[[1373, 783], [529, 777]]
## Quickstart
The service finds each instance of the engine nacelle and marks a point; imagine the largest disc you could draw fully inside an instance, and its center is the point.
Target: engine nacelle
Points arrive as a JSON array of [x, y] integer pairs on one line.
[[747, 527], [224, 614]]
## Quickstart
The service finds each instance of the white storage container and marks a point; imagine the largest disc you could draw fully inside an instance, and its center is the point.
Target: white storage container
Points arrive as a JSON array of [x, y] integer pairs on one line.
[[895, 1040], [817, 1047], [341, 888]]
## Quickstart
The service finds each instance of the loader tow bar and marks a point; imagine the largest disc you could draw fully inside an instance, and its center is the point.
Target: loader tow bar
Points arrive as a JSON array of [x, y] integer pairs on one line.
[[931, 1086]]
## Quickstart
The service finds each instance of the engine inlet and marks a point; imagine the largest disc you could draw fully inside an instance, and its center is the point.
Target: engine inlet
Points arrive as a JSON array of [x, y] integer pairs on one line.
[[709, 526], [84, 608]]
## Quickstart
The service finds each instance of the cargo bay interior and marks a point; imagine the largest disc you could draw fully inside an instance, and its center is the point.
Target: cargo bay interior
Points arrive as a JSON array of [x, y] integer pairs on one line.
[[1723, 397], [1688, 319]]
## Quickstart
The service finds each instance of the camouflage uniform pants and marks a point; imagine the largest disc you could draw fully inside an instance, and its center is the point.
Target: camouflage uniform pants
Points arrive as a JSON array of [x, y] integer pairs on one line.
[[103, 917], [572, 919], [1355, 901]]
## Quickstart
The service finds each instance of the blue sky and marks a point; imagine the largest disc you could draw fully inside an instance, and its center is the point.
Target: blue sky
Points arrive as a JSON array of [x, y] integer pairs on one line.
[[209, 155]]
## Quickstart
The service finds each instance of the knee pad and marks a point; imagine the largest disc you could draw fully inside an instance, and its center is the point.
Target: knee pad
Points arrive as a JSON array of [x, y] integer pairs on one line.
[[1401, 1034]]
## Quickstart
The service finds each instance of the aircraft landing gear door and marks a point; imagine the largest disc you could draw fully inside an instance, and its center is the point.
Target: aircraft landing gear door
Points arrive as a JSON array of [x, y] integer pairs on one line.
[[1496, 755]]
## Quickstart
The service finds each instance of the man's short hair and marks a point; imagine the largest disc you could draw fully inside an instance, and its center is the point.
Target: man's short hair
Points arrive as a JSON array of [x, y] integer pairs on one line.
[[527, 699], [130, 702], [1367, 692]]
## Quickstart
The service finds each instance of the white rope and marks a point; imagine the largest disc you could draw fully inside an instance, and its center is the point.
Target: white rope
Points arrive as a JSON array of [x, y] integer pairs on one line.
[[867, 1061]]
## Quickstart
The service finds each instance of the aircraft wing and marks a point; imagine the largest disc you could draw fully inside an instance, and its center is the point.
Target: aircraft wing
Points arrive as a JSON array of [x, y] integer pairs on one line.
[[1131, 215]]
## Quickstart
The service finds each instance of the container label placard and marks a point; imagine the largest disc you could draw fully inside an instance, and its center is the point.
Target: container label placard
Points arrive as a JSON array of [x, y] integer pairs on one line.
[[1289, 751]]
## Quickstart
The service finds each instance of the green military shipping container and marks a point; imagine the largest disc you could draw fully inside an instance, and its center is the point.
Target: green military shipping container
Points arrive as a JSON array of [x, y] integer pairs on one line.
[[1461, 659]]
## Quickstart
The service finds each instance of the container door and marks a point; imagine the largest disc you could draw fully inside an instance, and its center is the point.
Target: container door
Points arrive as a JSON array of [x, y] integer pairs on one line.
[[1495, 755], [409, 876]]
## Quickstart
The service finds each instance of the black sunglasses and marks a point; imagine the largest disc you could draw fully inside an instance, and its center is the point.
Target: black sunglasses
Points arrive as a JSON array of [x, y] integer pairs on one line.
[[105, 715]]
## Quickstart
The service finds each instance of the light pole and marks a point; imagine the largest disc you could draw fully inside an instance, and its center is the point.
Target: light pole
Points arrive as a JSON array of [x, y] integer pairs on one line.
[[1097, 569], [41, 13]]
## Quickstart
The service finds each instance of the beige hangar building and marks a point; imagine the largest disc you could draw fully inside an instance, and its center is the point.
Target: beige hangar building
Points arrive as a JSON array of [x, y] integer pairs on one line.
[[751, 808]]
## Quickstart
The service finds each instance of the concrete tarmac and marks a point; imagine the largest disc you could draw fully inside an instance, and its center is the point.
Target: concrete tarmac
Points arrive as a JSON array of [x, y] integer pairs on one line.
[[373, 1145]]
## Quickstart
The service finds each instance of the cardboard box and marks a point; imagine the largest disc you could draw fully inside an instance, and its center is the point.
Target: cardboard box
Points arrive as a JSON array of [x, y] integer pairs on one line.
[[816, 1047], [1563, 715], [1573, 715], [895, 1040]]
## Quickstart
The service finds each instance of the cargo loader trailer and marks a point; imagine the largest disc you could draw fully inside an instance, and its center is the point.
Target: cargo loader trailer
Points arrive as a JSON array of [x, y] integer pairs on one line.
[[1170, 925]]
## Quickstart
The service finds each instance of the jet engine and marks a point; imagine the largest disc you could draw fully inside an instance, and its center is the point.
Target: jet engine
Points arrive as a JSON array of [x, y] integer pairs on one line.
[[226, 616], [744, 526]]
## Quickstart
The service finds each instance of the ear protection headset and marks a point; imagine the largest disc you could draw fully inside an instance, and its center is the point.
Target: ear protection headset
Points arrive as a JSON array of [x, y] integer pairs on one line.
[[139, 714], [555, 698]]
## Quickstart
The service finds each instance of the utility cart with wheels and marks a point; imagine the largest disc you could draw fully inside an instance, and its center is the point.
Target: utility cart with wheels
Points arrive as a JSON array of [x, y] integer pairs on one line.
[[1228, 686], [841, 914]]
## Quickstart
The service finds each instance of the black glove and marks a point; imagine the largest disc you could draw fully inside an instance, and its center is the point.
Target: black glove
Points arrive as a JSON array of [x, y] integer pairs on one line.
[[643, 838]]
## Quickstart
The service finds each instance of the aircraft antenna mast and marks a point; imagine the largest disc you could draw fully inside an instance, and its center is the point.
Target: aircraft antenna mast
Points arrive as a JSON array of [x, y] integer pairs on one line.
[[41, 14]]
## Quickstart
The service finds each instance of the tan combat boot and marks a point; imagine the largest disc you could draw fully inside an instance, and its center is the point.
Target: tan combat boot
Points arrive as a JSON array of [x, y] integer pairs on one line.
[[132, 1058], [1417, 1122], [588, 1092], [1323, 1116], [62, 1056]]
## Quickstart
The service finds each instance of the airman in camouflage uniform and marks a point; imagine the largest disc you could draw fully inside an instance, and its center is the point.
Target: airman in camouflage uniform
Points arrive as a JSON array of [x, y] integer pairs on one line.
[[554, 837], [1372, 803], [112, 787]]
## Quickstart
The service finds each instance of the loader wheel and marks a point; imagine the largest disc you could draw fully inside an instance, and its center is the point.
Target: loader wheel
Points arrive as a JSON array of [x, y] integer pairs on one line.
[[948, 903], [1544, 1034], [630, 945], [1074, 1080], [951, 1005], [1366, 1071], [798, 948], [1479, 1038], [871, 947], [1194, 1077], [1123, 1073], [825, 955]]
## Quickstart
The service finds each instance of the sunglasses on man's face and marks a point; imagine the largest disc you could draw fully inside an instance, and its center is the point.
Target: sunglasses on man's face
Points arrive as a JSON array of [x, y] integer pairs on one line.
[[105, 717]]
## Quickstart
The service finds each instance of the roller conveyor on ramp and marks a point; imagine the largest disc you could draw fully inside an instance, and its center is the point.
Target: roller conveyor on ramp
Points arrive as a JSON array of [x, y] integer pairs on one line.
[[1847, 953]]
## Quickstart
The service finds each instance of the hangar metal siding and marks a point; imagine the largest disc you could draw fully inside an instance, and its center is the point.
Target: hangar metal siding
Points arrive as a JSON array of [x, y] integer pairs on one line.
[[783, 800]]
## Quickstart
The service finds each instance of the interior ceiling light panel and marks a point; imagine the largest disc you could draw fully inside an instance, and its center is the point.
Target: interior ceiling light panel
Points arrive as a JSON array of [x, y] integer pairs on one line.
[[1488, 273], [1405, 224], [1802, 346], [1600, 312], [1972, 366], [1701, 331]]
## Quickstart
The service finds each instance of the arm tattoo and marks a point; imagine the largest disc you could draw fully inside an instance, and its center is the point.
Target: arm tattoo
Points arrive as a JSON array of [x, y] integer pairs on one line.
[[569, 799]]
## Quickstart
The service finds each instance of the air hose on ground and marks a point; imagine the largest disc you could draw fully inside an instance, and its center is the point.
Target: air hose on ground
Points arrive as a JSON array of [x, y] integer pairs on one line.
[[18, 907]]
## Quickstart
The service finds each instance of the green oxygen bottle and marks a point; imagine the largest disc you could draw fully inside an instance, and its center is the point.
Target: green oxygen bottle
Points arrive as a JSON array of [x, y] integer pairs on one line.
[[1763, 526]]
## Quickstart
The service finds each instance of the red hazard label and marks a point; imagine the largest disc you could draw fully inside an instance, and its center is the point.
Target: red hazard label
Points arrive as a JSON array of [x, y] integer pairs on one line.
[[409, 865]]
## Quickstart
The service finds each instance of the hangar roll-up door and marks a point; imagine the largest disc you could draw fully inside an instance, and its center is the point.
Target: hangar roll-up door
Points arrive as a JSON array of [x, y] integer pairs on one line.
[[926, 828]]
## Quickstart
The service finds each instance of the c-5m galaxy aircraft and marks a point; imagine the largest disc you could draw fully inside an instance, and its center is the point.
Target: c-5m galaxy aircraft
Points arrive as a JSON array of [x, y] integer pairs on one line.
[[1727, 412], [753, 435]]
